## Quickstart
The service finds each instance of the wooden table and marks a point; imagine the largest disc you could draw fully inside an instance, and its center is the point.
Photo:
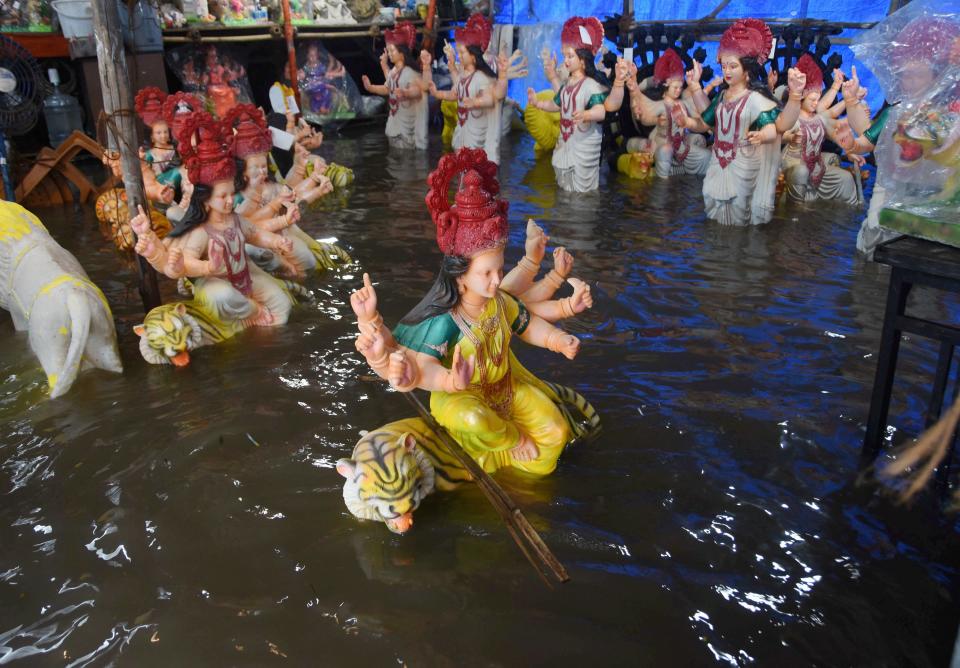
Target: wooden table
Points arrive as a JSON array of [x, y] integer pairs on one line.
[[913, 262]]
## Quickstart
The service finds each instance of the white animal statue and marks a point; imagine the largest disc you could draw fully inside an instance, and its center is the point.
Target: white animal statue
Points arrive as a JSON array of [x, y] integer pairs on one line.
[[333, 12], [67, 318]]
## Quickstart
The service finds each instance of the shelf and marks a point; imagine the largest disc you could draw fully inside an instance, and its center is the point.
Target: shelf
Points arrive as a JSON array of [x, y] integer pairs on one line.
[[41, 44], [264, 31]]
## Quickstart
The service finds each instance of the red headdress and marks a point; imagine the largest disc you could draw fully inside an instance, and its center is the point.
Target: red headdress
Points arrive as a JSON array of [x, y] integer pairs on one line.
[[582, 33], [149, 105], [478, 220], [926, 39], [747, 38], [475, 33], [814, 75], [252, 133], [176, 108], [204, 150], [403, 35], [668, 66]]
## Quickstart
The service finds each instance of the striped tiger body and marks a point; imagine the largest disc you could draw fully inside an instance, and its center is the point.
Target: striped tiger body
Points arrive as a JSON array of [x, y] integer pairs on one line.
[[171, 331], [339, 175], [327, 255], [393, 469], [543, 126], [568, 400]]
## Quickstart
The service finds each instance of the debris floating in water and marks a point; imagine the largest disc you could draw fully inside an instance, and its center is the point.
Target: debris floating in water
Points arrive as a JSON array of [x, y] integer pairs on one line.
[[252, 439]]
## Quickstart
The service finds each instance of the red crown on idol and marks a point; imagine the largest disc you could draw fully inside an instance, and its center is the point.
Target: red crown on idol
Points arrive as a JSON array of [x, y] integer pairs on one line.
[[925, 39], [176, 109], [252, 134], [747, 38], [403, 35], [476, 33], [814, 74], [668, 66], [478, 220], [149, 105], [204, 150], [582, 33]]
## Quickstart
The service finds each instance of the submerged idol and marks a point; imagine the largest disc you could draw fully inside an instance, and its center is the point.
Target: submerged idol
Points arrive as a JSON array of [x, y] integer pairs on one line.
[[455, 344]]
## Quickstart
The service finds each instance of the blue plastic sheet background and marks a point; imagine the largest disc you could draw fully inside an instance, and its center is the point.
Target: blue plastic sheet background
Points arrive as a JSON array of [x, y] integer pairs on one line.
[[532, 11], [540, 21]]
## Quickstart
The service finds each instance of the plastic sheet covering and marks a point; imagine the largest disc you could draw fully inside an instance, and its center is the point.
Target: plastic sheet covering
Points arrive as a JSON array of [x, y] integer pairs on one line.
[[915, 56], [327, 93], [214, 74], [538, 41]]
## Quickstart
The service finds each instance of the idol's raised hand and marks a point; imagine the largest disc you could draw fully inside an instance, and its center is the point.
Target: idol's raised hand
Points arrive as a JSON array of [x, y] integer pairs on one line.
[[536, 245], [461, 369], [694, 74], [371, 345], [562, 261], [796, 80], [851, 86], [581, 299], [364, 301]]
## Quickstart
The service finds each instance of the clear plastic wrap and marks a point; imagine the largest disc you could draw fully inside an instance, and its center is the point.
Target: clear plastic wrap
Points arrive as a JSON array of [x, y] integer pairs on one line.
[[327, 93], [915, 55], [214, 74]]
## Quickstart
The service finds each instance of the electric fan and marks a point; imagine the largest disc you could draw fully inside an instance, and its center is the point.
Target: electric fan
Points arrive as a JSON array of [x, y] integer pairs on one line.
[[21, 93]]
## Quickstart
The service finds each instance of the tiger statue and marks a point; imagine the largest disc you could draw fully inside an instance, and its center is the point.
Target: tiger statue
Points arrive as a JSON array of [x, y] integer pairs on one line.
[[112, 212], [543, 126], [170, 332], [339, 176], [394, 468], [636, 165], [448, 109]]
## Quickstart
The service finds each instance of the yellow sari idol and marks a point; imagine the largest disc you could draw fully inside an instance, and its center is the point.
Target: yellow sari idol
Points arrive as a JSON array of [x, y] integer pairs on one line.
[[503, 399]]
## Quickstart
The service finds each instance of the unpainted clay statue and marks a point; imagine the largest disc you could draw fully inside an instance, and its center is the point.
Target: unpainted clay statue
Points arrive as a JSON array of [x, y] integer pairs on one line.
[[49, 295]]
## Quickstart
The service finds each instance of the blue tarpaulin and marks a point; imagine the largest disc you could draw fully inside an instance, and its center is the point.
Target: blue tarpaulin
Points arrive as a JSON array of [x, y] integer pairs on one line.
[[539, 25], [519, 12]]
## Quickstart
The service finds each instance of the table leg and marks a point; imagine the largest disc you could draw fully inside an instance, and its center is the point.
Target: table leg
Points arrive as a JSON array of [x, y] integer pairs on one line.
[[897, 295]]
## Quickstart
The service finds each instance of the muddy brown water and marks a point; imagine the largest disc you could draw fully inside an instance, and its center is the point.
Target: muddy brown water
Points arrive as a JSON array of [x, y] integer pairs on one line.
[[194, 516]]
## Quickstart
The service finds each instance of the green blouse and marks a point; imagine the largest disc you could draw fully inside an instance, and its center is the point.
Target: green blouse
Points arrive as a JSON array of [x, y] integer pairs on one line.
[[437, 336], [873, 132], [595, 99]]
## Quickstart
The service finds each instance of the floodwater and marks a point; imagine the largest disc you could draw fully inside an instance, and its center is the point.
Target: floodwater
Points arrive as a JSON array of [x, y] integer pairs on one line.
[[194, 516]]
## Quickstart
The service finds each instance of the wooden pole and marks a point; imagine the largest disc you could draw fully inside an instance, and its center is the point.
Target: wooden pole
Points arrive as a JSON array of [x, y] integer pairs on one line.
[[121, 128], [291, 50]]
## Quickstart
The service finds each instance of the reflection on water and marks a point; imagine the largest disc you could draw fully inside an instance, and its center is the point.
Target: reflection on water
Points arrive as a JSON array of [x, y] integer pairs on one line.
[[172, 516]]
